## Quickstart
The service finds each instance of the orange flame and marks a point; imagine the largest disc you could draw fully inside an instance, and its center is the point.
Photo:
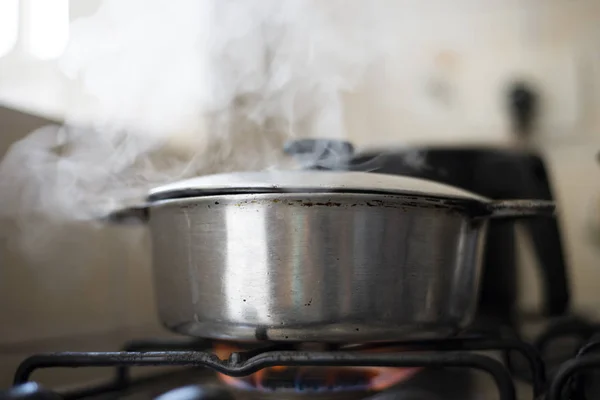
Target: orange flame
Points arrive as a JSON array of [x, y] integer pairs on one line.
[[329, 378]]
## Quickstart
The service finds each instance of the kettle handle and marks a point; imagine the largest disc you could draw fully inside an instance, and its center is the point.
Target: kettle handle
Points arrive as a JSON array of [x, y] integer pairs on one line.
[[522, 208]]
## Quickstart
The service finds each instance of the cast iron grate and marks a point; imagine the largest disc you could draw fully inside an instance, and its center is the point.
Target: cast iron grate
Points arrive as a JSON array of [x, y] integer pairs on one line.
[[458, 352], [571, 379]]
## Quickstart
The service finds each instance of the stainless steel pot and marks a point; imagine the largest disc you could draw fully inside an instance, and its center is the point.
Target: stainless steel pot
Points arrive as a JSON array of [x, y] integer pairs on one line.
[[318, 256]]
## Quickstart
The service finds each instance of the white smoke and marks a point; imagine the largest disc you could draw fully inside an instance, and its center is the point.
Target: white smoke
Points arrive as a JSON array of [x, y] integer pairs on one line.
[[177, 88]]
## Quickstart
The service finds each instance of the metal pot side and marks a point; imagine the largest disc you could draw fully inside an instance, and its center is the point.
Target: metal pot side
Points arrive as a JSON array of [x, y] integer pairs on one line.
[[315, 267]]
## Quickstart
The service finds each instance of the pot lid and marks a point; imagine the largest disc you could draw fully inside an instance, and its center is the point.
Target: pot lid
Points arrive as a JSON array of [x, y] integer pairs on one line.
[[308, 181]]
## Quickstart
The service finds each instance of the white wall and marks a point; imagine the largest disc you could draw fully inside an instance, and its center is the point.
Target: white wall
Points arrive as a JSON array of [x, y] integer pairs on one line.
[[443, 81], [452, 64], [94, 301]]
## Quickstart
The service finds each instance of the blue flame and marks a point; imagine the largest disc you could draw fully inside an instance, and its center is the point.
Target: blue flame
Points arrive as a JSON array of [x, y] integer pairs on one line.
[[303, 383]]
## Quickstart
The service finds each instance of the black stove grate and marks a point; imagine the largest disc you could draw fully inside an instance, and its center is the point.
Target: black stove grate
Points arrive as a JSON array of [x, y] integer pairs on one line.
[[571, 378], [536, 369], [238, 366], [456, 352]]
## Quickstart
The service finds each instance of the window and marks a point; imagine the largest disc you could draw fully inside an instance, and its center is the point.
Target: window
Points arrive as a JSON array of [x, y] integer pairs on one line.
[[46, 27], [9, 25]]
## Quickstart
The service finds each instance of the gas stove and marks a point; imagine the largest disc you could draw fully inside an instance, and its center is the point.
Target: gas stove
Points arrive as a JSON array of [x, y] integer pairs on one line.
[[453, 368]]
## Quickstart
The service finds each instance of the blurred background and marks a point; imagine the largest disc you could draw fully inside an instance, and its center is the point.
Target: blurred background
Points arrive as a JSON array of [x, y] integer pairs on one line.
[[442, 86]]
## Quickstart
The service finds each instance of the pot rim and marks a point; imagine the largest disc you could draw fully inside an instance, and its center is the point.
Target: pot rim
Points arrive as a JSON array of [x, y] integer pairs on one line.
[[329, 199], [350, 182], [472, 208]]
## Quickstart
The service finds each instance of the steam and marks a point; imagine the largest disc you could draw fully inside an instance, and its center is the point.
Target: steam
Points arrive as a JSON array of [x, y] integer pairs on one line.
[[178, 88]]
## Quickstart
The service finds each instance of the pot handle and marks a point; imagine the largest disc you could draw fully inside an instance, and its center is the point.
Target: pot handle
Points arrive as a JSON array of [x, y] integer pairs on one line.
[[133, 215], [522, 208]]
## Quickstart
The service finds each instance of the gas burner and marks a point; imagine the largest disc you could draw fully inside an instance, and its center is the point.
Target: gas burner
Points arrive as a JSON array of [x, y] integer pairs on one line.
[[197, 392], [310, 379]]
